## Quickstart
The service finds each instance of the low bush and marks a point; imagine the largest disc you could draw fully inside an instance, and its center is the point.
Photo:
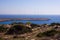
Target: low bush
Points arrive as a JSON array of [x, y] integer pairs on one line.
[[47, 33]]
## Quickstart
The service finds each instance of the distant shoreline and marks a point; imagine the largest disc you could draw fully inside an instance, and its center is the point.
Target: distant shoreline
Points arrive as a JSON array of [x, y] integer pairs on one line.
[[13, 19]]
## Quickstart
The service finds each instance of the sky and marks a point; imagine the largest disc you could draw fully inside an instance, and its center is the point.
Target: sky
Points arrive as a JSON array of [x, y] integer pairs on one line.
[[30, 7]]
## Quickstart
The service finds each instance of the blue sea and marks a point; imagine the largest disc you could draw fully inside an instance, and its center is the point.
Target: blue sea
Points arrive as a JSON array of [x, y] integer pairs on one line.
[[53, 19]]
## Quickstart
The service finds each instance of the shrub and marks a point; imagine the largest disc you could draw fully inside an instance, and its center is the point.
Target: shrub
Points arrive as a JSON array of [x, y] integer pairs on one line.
[[18, 29], [52, 24], [28, 22], [47, 33], [34, 25], [2, 29]]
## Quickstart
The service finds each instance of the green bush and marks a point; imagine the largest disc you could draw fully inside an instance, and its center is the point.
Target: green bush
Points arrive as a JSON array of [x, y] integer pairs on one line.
[[34, 25], [47, 33], [18, 29], [2, 29], [52, 24], [28, 22]]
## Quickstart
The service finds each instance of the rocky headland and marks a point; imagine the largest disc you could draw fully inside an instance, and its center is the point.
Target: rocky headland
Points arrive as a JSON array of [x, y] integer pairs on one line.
[[12, 19]]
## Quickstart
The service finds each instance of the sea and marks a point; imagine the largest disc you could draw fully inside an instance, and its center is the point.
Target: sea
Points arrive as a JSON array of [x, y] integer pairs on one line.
[[53, 19]]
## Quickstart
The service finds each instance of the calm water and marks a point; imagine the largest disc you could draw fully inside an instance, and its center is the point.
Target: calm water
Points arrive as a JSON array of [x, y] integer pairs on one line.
[[53, 18]]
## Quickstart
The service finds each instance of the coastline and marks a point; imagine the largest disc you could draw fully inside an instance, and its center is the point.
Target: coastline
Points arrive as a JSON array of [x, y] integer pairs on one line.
[[12, 19]]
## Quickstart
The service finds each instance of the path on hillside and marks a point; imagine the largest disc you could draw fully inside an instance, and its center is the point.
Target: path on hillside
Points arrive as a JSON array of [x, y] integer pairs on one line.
[[33, 34]]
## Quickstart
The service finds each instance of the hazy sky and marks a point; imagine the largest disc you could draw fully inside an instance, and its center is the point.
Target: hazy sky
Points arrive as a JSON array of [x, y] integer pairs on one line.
[[30, 7]]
